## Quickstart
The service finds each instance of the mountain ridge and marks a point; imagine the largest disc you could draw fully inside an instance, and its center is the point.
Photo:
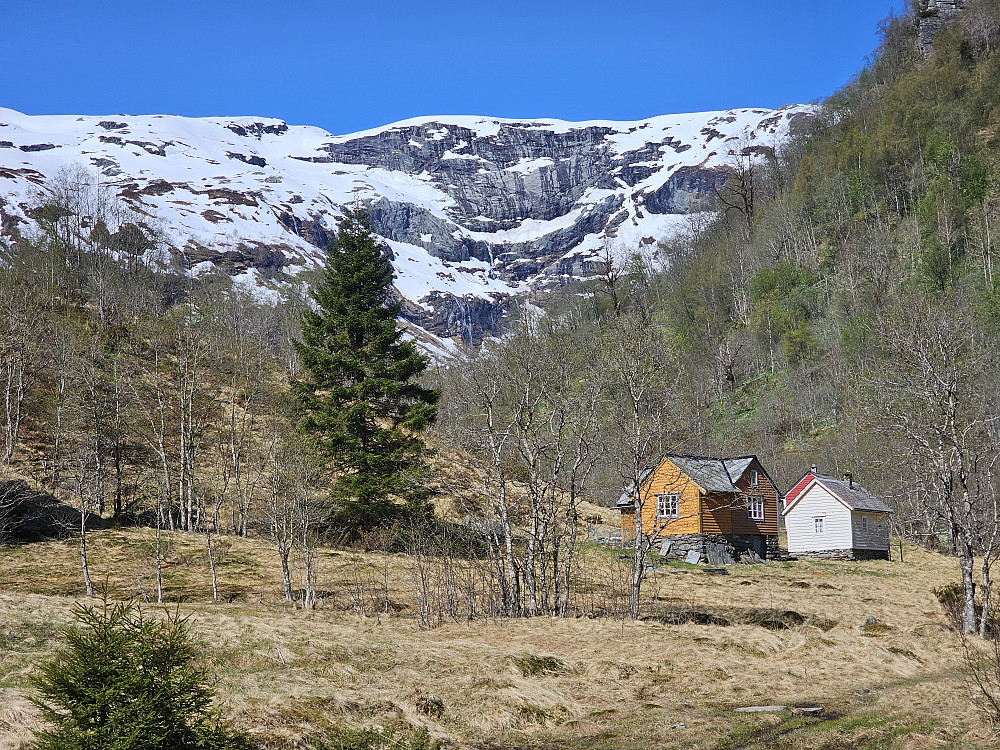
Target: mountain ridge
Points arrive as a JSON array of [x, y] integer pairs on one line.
[[478, 211]]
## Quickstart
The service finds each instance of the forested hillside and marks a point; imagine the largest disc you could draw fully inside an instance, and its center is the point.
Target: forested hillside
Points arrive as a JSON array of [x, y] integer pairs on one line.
[[841, 310]]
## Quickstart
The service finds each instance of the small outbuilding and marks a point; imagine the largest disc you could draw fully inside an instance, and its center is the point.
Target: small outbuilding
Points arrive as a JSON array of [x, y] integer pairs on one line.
[[835, 518]]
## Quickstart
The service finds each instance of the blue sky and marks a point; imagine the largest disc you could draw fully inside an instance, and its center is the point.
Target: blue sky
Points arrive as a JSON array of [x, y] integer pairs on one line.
[[349, 66]]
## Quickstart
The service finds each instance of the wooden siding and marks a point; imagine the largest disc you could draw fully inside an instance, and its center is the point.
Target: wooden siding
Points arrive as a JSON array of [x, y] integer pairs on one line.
[[668, 479], [877, 537], [818, 502], [741, 521], [718, 513], [628, 525]]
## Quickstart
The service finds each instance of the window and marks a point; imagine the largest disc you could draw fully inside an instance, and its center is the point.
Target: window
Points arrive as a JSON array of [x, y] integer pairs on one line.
[[864, 524], [668, 506], [755, 508], [818, 525], [754, 479]]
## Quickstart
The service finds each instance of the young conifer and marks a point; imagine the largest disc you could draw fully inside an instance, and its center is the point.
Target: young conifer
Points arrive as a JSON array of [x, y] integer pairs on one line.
[[128, 682], [360, 402]]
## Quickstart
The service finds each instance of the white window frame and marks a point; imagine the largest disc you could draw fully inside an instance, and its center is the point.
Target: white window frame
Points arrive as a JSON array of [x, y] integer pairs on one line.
[[756, 507], [668, 505], [819, 525], [755, 478]]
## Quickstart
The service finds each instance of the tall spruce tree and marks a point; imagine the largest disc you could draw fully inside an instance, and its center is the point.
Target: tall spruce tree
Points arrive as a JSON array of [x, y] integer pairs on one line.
[[360, 402]]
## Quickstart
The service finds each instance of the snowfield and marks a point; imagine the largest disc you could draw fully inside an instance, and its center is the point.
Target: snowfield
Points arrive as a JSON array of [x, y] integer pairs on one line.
[[472, 207]]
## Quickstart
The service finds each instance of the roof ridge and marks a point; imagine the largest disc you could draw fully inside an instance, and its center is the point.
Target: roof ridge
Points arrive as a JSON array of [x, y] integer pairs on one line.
[[710, 458]]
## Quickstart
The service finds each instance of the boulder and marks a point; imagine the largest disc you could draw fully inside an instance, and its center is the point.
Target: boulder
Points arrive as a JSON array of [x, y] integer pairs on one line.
[[28, 515]]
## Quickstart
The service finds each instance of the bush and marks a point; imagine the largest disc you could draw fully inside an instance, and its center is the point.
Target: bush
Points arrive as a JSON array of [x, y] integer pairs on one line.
[[952, 599], [125, 682]]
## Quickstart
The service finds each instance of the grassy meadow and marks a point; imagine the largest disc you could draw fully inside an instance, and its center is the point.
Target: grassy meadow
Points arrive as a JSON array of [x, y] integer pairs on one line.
[[782, 633]]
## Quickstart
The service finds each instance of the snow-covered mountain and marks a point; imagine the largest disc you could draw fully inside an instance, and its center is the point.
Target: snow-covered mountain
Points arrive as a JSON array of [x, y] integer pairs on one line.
[[477, 210]]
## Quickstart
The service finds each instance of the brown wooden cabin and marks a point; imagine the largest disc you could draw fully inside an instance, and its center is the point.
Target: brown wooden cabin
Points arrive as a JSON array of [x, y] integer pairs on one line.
[[698, 502]]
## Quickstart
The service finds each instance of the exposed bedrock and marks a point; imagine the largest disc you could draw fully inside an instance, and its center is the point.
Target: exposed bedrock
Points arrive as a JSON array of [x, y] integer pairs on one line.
[[689, 190], [516, 261], [467, 318], [497, 181]]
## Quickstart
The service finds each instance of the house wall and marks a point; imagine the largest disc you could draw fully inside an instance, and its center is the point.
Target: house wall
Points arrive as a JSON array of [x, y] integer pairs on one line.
[[741, 523], [877, 537], [816, 502], [669, 479], [718, 513]]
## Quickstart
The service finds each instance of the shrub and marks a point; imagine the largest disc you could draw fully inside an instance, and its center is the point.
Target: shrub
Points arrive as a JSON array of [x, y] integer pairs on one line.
[[125, 682]]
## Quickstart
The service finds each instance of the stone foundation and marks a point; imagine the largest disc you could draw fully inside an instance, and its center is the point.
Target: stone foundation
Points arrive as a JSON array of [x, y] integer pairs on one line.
[[717, 549], [844, 554]]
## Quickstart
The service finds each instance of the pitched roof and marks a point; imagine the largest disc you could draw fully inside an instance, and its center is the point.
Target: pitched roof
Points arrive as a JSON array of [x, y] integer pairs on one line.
[[737, 466], [853, 495], [711, 474], [625, 500], [798, 487]]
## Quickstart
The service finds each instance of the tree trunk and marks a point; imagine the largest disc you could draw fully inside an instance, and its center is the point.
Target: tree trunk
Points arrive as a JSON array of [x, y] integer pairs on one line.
[[211, 565], [966, 562], [83, 549], [984, 617], [286, 576], [638, 564]]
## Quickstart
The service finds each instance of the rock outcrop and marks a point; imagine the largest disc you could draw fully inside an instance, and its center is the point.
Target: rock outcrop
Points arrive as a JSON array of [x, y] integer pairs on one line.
[[932, 15]]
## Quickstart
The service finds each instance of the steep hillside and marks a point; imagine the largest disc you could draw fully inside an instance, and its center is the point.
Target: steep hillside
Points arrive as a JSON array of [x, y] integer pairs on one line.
[[476, 210]]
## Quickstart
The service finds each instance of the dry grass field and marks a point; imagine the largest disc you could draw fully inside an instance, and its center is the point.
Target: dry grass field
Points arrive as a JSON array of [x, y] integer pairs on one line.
[[320, 678]]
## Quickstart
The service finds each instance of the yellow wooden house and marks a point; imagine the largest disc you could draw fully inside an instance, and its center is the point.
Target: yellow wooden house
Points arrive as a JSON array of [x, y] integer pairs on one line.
[[718, 507]]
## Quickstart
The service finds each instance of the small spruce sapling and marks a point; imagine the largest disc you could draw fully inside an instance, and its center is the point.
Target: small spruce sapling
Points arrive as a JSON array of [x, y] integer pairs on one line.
[[128, 682]]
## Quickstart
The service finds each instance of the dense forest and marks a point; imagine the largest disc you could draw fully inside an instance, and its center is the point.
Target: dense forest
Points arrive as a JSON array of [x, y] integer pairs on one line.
[[840, 309]]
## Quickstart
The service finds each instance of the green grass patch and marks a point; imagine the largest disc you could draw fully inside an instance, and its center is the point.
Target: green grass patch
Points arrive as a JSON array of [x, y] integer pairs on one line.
[[531, 665]]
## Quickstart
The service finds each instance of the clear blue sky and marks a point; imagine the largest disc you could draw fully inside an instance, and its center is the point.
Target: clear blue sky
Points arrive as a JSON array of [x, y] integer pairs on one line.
[[348, 66]]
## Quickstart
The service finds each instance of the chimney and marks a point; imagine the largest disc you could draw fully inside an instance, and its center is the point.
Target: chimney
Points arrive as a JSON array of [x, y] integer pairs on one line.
[[849, 478], [813, 470]]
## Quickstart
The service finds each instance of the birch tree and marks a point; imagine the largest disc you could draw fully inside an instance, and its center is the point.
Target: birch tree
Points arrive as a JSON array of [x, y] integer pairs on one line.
[[641, 374], [930, 386]]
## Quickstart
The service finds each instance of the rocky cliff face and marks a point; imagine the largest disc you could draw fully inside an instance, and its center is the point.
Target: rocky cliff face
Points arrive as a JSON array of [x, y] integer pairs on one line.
[[932, 14], [476, 211]]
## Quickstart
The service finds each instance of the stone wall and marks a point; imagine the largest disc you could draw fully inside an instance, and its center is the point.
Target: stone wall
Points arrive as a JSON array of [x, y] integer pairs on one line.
[[845, 554], [717, 549]]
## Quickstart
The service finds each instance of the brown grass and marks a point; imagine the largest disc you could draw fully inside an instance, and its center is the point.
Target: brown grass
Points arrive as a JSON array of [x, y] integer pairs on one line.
[[288, 675]]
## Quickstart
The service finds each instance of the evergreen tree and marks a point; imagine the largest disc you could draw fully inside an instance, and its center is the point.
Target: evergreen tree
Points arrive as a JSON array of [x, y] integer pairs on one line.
[[361, 403], [125, 682]]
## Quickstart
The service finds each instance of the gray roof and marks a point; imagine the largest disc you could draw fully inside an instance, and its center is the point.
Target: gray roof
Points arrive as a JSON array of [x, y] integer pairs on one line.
[[737, 466], [712, 474], [626, 498], [856, 497]]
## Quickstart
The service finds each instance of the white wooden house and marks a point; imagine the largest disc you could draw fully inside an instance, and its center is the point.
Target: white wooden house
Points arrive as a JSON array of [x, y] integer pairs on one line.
[[836, 518]]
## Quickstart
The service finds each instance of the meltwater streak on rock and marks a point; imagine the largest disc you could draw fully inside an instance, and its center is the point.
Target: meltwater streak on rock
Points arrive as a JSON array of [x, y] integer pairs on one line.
[[476, 211]]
